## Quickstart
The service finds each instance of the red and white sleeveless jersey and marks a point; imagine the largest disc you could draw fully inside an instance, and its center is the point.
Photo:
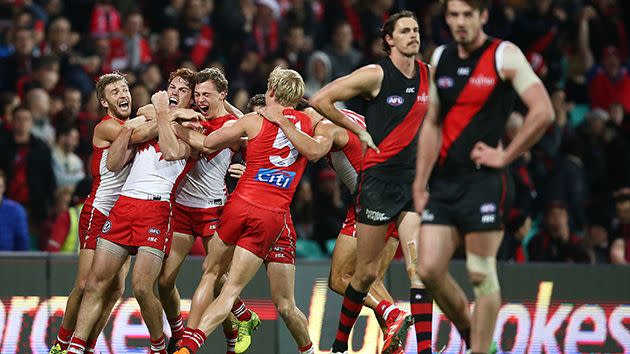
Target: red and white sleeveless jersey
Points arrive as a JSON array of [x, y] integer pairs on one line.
[[107, 185], [204, 185], [274, 166], [347, 161], [152, 177]]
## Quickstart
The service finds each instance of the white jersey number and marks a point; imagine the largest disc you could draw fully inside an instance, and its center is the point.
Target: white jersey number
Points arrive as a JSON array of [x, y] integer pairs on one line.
[[281, 142]]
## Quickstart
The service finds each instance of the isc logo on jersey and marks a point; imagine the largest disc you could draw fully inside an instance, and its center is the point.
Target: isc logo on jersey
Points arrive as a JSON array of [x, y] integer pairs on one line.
[[277, 178]]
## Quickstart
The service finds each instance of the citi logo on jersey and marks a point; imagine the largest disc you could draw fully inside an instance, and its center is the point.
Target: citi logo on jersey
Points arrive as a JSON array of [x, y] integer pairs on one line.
[[395, 101], [276, 178], [482, 81]]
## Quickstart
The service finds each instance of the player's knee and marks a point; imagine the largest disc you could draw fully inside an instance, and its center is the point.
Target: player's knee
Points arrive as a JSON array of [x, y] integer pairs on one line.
[[482, 272], [165, 284], [336, 283], [367, 277], [285, 308], [142, 290], [428, 273]]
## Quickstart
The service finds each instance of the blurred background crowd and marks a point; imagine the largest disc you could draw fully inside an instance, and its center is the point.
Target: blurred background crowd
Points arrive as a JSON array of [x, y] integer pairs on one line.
[[573, 187]]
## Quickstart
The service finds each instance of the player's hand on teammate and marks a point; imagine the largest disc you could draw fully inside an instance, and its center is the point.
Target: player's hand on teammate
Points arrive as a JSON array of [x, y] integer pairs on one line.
[[484, 155], [135, 122], [420, 196], [366, 138], [236, 170], [193, 124], [185, 114], [148, 111], [273, 113]]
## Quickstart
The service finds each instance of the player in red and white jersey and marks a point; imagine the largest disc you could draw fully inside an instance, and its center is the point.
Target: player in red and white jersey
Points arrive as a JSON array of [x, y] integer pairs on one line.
[[113, 93], [199, 202], [256, 213], [139, 222]]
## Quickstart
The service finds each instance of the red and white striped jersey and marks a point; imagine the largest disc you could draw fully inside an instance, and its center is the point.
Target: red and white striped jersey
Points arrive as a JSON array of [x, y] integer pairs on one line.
[[107, 185], [152, 177], [347, 160], [204, 186]]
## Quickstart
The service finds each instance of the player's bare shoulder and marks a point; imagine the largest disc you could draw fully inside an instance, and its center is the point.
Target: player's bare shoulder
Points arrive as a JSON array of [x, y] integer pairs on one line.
[[105, 132]]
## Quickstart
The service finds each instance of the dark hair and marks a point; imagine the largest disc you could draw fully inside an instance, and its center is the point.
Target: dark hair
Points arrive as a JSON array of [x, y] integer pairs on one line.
[[215, 75], [390, 24], [3, 176], [256, 100], [475, 4], [45, 62], [21, 107], [64, 129], [302, 104], [186, 75], [105, 80]]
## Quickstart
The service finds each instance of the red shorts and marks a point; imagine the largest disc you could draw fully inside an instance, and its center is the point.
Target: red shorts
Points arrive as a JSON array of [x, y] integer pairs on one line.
[[136, 223], [251, 227], [349, 226], [283, 250], [91, 222], [196, 221]]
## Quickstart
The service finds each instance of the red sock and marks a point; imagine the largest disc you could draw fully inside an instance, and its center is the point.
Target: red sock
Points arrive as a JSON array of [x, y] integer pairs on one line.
[[308, 349], [177, 327], [77, 345], [386, 309], [230, 337], [422, 311], [158, 346], [90, 344], [193, 339], [241, 311], [63, 337]]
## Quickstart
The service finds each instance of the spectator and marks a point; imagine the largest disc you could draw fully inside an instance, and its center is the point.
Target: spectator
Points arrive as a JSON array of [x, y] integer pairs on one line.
[[318, 73], [330, 211], [28, 165], [266, 29], [556, 243], [67, 166], [517, 228], [60, 39], [620, 248], [8, 102], [524, 189], [151, 77], [196, 31], [294, 50], [168, 55], [140, 96], [13, 224], [69, 114], [45, 75], [64, 230], [343, 57], [105, 19], [38, 102], [136, 50], [596, 243], [20, 63]]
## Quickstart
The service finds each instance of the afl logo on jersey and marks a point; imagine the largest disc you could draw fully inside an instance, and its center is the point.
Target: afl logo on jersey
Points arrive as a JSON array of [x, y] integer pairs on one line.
[[395, 101], [444, 82]]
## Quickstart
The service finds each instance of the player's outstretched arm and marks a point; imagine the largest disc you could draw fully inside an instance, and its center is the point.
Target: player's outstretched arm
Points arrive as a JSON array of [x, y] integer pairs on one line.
[[313, 148], [365, 81], [172, 148], [539, 114], [191, 137], [120, 152], [231, 133], [232, 109]]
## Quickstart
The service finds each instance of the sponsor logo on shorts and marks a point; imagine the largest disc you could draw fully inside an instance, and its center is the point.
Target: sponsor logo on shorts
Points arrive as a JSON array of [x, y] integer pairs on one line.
[[279, 255], [488, 208], [488, 218], [152, 239], [106, 227], [154, 231], [212, 227], [376, 215], [277, 178], [427, 215], [395, 101], [445, 82]]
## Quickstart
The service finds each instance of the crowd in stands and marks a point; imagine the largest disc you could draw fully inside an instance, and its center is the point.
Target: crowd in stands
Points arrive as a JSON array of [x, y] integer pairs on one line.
[[572, 189]]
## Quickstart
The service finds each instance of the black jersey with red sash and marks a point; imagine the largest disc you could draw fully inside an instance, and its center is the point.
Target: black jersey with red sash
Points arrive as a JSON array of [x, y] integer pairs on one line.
[[393, 118], [474, 105]]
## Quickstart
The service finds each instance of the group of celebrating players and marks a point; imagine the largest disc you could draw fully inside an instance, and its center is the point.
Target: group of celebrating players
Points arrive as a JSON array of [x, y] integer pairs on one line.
[[160, 183]]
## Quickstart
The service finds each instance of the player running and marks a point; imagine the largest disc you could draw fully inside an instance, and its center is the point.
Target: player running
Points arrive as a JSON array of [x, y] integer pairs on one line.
[[473, 89], [397, 91], [113, 94]]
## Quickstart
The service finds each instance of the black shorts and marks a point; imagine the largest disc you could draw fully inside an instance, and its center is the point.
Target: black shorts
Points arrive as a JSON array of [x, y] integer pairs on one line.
[[380, 201], [475, 202]]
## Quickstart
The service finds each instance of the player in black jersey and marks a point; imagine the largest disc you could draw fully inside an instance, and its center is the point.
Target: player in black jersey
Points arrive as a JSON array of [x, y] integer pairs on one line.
[[396, 90], [474, 84]]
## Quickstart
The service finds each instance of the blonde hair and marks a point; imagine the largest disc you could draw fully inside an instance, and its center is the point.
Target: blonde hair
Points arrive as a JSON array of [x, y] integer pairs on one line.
[[288, 85]]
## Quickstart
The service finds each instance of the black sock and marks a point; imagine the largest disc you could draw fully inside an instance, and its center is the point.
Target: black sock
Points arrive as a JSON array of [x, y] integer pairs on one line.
[[422, 311], [350, 310]]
